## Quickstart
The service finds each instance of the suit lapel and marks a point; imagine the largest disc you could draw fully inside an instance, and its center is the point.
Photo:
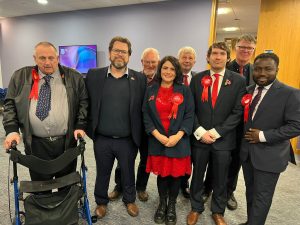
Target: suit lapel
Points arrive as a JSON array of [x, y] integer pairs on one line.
[[177, 89], [227, 76], [269, 97], [132, 79], [100, 85], [152, 103]]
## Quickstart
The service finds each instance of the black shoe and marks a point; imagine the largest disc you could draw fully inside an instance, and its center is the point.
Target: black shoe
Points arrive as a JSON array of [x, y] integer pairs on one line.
[[185, 192], [232, 203], [171, 217], [160, 214], [205, 196]]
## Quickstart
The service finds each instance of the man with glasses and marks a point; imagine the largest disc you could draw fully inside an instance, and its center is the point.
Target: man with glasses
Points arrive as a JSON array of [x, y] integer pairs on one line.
[[244, 48], [150, 59], [115, 122]]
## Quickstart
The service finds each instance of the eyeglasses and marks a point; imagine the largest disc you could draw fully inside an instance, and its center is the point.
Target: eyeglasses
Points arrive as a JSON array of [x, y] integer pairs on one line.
[[245, 48], [149, 62], [118, 51]]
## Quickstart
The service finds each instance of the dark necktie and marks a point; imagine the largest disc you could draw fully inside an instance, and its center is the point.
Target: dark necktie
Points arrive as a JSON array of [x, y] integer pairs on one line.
[[185, 80], [44, 102], [255, 100], [241, 69], [214, 94]]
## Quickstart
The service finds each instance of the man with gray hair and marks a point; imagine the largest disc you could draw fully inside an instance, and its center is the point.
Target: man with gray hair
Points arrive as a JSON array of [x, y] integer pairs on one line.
[[149, 59], [187, 59], [48, 103]]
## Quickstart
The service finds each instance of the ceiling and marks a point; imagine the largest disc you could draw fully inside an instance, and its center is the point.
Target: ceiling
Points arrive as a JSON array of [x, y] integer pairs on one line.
[[244, 13]]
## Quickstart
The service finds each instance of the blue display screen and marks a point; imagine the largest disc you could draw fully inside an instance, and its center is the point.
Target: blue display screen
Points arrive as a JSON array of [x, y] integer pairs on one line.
[[79, 57]]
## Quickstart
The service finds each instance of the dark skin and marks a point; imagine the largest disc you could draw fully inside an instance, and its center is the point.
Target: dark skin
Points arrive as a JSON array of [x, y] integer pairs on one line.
[[264, 73]]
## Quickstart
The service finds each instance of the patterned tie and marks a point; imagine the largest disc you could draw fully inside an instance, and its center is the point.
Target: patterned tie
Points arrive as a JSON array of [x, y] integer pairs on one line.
[[255, 100], [185, 80], [241, 69], [44, 102], [215, 90]]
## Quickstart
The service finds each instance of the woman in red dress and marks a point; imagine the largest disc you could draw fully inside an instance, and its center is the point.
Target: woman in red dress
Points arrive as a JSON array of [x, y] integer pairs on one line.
[[168, 117]]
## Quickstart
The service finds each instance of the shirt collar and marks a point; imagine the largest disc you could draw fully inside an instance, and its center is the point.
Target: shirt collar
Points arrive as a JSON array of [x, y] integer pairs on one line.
[[220, 73], [265, 87], [109, 72], [54, 75]]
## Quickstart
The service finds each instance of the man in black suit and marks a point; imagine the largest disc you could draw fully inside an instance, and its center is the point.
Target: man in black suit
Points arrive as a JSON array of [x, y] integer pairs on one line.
[[150, 60], [115, 122], [244, 49], [217, 94], [187, 60], [274, 118]]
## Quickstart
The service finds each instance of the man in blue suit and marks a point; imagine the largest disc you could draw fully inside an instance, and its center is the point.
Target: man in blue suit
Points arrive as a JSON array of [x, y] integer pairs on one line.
[[116, 96], [274, 118]]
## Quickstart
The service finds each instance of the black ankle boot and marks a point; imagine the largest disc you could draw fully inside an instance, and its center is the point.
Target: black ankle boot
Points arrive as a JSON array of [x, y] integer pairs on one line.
[[171, 218], [160, 215]]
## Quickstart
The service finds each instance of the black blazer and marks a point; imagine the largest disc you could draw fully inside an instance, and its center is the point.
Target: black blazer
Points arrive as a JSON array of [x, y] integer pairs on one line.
[[226, 114], [278, 116], [95, 81], [184, 122]]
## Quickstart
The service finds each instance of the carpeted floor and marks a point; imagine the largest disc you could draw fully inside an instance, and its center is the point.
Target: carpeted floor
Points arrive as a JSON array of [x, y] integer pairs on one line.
[[284, 210]]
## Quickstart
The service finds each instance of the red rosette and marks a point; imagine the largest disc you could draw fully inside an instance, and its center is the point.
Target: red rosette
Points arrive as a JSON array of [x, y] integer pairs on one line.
[[176, 99], [35, 87], [206, 82], [246, 100]]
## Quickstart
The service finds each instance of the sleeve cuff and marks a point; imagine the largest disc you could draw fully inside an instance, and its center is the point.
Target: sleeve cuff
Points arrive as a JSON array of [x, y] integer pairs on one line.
[[261, 136], [199, 132], [215, 133]]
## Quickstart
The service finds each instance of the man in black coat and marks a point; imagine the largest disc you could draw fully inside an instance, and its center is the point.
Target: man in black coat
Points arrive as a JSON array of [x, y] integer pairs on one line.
[[217, 94], [115, 122]]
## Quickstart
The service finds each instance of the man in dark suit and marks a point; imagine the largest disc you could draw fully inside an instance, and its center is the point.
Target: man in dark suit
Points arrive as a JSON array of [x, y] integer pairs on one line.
[[274, 118], [244, 49], [115, 122], [187, 60], [150, 59], [217, 95]]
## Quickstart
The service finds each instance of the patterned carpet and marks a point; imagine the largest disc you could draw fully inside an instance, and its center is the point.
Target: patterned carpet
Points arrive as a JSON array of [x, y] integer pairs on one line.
[[286, 202]]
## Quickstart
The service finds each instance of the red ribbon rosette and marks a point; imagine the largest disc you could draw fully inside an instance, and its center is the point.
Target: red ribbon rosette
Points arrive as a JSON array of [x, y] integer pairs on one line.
[[35, 87], [206, 82], [177, 99], [246, 100]]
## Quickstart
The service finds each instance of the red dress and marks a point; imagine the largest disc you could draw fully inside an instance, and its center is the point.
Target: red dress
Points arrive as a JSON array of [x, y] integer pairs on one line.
[[163, 165]]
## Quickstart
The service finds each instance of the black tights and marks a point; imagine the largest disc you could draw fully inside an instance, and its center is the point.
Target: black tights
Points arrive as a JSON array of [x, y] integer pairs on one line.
[[168, 186]]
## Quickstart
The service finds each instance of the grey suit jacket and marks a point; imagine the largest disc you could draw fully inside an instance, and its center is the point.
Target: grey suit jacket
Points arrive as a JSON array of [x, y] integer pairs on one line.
[[278, 116]]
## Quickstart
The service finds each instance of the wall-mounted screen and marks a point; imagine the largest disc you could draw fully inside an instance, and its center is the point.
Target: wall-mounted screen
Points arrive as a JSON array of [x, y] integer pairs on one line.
[[79, 57]]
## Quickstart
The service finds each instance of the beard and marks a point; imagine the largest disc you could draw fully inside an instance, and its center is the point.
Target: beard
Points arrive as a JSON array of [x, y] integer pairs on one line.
[[119, 64]]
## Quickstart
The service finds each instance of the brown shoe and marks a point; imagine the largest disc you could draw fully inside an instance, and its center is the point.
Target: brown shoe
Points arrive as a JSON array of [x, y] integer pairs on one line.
[[100, 211], [132, 209], [143, 196], [219, 219], [114, 195], [192, 218]]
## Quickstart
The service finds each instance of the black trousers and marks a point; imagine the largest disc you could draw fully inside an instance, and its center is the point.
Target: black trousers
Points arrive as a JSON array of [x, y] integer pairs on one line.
[[106, 149], [48, 150], [220, 166], [142, 177], [260, 187]]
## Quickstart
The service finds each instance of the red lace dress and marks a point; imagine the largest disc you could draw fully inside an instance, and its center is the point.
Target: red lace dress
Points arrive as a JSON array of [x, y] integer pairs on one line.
[[163, 165]]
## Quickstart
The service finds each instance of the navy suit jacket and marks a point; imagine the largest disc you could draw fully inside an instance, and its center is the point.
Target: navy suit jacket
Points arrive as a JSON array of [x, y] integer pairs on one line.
[[95, 81], [226, 114], [278, 116], [184, 122]]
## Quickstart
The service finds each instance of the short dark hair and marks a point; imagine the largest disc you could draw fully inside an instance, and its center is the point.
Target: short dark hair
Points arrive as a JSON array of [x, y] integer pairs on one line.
[[174, 61], [120, 39], [219, 45], [268, 56]]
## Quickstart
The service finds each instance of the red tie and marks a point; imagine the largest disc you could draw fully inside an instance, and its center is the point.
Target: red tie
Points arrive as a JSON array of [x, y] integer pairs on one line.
[[215, 90], [185, 80], [241, 69]]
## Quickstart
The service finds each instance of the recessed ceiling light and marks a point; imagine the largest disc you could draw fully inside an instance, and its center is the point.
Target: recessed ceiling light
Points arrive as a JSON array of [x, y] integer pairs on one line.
[[222, 11], [43, 2], [230, 28]]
